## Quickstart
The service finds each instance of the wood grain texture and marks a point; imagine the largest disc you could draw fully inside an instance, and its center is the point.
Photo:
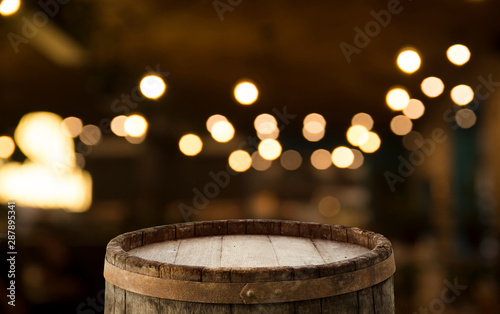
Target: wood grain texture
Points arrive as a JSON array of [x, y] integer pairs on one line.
[[246, 251]]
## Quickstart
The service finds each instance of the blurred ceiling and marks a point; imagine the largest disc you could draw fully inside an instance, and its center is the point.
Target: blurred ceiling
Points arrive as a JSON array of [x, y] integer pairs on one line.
[[289, 48]]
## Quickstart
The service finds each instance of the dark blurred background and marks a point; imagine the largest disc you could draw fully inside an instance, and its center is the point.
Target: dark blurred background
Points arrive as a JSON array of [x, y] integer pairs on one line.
[[434, 191]]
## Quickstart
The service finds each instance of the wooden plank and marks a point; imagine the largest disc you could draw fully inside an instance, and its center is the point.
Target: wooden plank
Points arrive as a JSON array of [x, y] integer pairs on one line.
[[247, 251], [179, 307], [164, 252], [120, 298], [205, 251], [332, 251], [292, 251], [109, 299], [276, 308], [308, 307], [138, 303], [383, 297], [341, 304], [365, 301]]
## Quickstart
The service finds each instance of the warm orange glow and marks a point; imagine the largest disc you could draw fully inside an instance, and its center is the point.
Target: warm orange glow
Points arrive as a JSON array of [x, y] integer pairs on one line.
[[415, 109], [270, 149], [465, 118], [214, 119], [190, 144], [240, 161], [246, 93], [321, 159], [9, 7], [462, 94], [363, 119], [370, 142], [91, 135], [312, 137], [458, 54], [152, 86], [72, 126], [432, 86], [397, 98], [7, 146], [409, 61], [222, 131], [136, 125], [401, 125], [342, 157], [118, 125], [358, 159], [354, 134]]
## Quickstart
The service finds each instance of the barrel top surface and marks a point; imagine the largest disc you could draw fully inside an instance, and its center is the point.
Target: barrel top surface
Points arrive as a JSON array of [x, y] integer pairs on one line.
[[248, 251]]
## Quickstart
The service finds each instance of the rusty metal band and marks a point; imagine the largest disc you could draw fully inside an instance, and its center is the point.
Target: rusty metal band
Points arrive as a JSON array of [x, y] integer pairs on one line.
[[250, 293]]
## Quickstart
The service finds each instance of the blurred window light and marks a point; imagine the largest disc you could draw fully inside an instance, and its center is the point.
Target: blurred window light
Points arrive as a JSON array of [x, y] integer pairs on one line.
[[152, 86], [39, 136], [342, 157], [397, 98], [312, 137], [401, 125], [190, 144], [465, 118], [222, 131], [409, 61], [259, 163], [321, 159], [7, 146], [363, 119], [315, 117], [49, 177], [213, 120], [90, 135], [358, 159], [354, 134], [458, 54], [33, 184], [136, 125], [270, 149], [240, 161], [72, 126], [413, 141], [246, 93], [291, 160], [432, 86], [370, 142], [9, 7], [118, 125], [415, 109], [329, 206], [462, 94]]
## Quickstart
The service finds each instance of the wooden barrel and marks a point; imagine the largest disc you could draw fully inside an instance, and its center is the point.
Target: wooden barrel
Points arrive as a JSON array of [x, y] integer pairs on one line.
[[249, 266]]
